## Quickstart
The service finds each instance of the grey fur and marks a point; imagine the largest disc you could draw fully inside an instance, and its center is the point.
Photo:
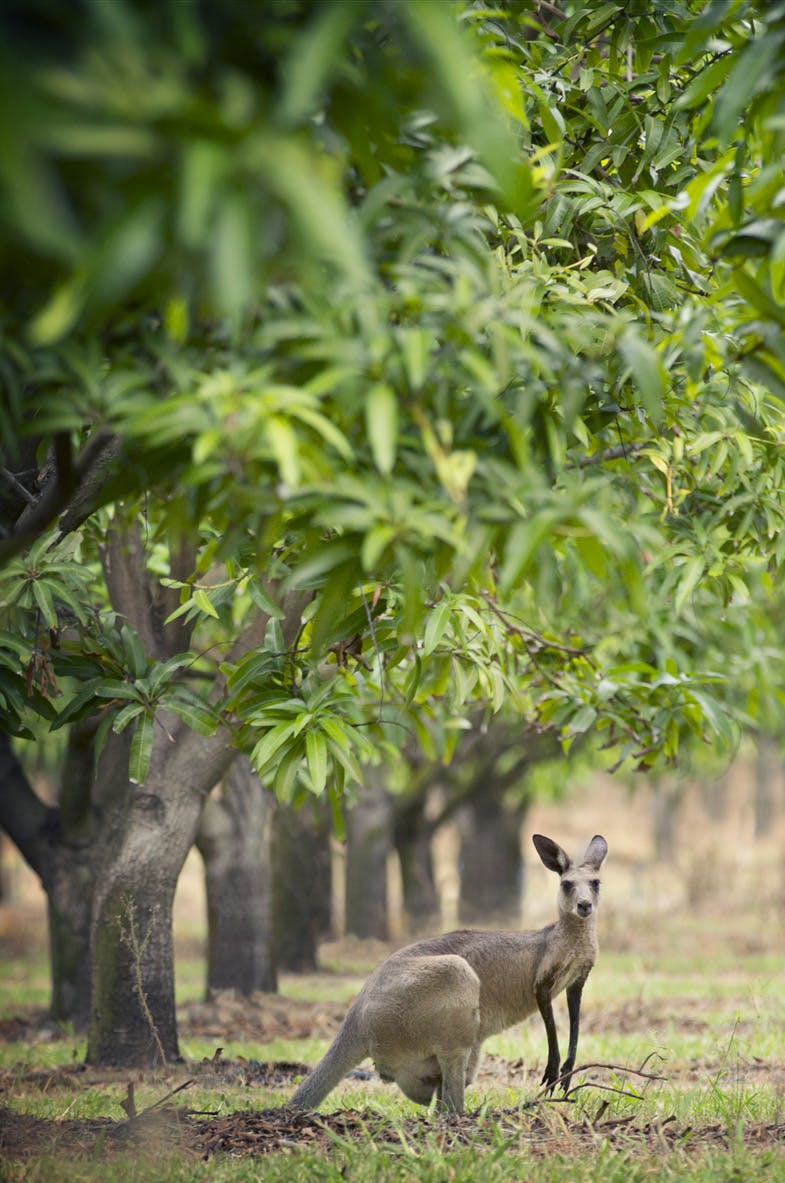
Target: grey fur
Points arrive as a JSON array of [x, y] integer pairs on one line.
[[424, 1013]]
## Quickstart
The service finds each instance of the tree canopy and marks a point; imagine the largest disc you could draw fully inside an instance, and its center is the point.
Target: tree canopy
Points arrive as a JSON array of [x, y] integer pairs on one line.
[[430, 355]]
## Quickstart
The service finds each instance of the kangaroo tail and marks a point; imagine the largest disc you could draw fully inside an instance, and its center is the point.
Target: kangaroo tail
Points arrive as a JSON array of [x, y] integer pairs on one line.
[[345, 1053]]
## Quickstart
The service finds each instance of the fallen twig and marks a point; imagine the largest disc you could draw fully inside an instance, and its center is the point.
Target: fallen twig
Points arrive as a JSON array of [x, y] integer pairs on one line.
[[544, 1097], [129, 1104]]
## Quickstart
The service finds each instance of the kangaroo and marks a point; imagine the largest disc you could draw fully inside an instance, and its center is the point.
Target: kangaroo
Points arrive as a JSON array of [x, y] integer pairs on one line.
[[424, 1013]]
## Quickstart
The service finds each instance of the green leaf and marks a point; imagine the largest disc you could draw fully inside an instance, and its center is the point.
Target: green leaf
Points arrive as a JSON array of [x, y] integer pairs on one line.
[[232, 255], [760, 300], [285, 448], [314, 56], [141, 749], [106, 688], [347, 760], [374, 545], [43, 598], [201, 174], [335, 797], [253, 668], [284, 782], [750, 71], [134, 654], [316, 755], [264, 602], [316, 206], [646, 371], [193, 711], [689, 581], [435, 628], [203, 602], [415, 346], [582, 720], [522, 542], [325, 557], [162, 671], [323, 427], [83, 703], [381, 421], [125, 716], [263, 752], [704, 84], [481, 121], [328, 622]]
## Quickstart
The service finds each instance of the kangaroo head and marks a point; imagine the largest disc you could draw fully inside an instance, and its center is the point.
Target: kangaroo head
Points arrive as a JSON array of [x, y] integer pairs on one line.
[[579, 893]]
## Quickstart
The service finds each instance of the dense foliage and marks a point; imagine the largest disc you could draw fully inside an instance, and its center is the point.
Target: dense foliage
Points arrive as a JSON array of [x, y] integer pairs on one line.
[[454, 330]]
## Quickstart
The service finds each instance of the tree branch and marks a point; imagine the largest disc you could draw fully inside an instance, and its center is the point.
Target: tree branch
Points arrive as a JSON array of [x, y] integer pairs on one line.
[[617, 452], [128, 584], [29, 823], [70, 492]]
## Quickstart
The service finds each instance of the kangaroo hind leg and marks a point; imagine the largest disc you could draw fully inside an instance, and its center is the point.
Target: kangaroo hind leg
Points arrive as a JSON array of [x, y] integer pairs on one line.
[[454, 1073]]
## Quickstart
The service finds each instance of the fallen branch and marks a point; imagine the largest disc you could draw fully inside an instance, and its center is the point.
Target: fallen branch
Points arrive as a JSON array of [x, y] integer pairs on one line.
[[129, 1104], [544, 1094]]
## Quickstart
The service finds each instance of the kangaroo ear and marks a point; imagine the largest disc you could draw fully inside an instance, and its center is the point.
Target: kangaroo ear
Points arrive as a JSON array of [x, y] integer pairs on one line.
[[551, 853], [595, 852]]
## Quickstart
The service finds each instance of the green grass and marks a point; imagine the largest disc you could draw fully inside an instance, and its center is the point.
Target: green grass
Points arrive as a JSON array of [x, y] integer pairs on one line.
[[427, 1163], [707, 1001]]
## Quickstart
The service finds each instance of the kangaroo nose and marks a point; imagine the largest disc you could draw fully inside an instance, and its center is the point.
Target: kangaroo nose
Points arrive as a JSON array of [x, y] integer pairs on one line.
[[584, 908]]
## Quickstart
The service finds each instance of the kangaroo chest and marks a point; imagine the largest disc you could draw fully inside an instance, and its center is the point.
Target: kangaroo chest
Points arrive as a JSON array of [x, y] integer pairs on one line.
[[507, 999]]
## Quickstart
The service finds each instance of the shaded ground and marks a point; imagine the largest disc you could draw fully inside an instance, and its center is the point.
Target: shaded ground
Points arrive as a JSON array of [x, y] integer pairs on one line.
[[226, 1017], [260, 1018], [168, 1128], [171, 1126]]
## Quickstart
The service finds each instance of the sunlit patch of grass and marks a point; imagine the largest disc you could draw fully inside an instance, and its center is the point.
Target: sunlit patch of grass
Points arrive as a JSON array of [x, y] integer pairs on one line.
[[327, 987], [42, 1055], [24, 984]]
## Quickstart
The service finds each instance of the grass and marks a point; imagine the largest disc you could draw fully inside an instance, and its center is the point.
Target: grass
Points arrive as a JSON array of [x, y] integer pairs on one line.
[[705, 999], [427, 1162]]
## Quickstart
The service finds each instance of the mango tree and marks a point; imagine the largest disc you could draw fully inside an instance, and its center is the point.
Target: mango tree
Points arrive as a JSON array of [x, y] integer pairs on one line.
[[377, 368]]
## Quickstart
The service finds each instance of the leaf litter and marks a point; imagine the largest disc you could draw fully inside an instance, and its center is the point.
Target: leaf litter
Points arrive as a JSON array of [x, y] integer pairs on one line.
[[539, 1126]]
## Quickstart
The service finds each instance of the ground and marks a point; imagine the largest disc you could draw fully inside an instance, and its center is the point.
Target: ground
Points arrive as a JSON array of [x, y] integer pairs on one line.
[[682, 1054]]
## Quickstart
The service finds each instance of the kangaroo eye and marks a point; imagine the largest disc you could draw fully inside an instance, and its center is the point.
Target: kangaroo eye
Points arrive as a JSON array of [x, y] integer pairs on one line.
[[567, 886], [595, 885]]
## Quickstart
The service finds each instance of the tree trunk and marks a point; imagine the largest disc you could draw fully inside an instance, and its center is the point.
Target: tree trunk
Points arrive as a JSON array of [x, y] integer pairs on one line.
[[133, 1017], [767, 771], [234, 841], [69, 907], [30, 824], [666, 797], [59, 845], [302, 885], [492, 867], [71, 889], [413, 835], [369, 841], [132, 1022]]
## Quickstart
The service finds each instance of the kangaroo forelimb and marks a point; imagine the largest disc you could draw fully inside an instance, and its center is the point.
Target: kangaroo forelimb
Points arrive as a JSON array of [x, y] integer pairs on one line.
[[545, 1005], [574, 993]]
